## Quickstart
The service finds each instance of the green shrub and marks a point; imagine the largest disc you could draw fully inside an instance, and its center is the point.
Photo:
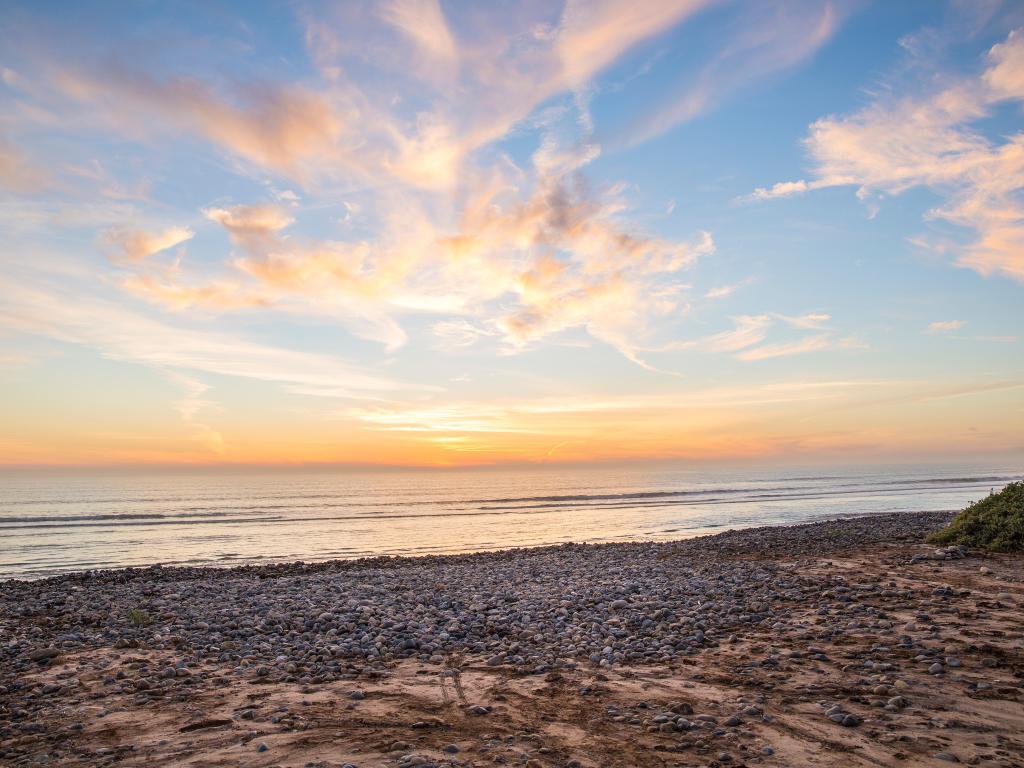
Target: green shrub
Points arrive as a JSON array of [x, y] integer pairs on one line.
[[139, 618], [995, 523]]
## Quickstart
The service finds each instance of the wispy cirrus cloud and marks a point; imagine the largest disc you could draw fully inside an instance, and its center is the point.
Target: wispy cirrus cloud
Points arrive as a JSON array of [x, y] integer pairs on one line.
[[809, 320], [575, 426], [928, 138], [724, 291], [745, 340], [720, 292], [189, 407], [424, 23], [787, 348], [771, 38], [286, 128], [749, 330], [476, 79], [549, 415], [946, 326], [122, 334], [594, 34]]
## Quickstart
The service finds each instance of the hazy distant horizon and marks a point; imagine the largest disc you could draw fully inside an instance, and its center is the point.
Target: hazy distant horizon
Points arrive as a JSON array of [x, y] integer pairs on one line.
[[754, 463]]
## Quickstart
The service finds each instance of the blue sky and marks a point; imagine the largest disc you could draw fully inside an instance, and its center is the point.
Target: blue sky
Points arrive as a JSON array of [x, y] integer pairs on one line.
[[421, 232]]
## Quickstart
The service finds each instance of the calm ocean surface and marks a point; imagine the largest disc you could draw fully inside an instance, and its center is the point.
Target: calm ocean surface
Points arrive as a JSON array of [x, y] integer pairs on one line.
[[51, 524]]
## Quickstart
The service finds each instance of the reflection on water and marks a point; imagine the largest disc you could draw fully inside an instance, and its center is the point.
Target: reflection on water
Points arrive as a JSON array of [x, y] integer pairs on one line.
[[50, 524]]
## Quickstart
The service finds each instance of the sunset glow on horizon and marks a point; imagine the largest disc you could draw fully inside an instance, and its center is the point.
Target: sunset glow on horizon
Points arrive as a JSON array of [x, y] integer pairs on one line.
[[430, 233]]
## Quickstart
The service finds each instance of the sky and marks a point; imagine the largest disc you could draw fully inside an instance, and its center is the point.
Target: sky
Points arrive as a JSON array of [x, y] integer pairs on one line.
[[432, 233]]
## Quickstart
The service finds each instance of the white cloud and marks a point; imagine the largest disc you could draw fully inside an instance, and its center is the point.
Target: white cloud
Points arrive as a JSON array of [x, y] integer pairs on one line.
[[810, 320], [780, 190], [722, 291], [749, 330], [945, 326], [929, 138], [788, 348]]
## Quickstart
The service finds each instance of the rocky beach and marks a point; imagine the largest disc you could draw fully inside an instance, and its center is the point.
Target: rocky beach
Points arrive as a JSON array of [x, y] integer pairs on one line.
[[841, 643]]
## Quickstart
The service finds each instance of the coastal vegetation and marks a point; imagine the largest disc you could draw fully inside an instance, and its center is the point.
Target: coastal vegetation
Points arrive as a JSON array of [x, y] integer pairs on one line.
[[995, 523]]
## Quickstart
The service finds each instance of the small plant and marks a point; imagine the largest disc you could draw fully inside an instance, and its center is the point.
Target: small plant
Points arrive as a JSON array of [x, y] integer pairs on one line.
[[995, 523], [139, 618]]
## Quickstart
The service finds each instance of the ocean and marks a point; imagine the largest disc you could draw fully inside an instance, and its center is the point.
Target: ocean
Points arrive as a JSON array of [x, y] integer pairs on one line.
[[51, 524]]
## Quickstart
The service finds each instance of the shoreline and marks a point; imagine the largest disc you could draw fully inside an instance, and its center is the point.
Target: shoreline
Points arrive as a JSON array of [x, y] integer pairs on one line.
[[839, 643], [380, 560]]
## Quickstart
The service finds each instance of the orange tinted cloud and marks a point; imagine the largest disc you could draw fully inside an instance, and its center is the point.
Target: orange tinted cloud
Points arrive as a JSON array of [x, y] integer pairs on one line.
[[562, 254], [423, 22], [284, 128], [593, 34], [18, 172], [253, 227], [219, 295], [137, 244]]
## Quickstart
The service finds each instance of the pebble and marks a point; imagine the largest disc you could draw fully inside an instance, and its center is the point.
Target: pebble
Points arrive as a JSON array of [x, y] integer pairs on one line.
[[598, 607], [603, 604], [42, 654]]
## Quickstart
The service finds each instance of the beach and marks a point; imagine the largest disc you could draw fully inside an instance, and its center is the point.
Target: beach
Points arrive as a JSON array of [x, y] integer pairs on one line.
[[839, 643]]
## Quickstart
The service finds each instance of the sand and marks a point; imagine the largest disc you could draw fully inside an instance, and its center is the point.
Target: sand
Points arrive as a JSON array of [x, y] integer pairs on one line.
[[759, 696]]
